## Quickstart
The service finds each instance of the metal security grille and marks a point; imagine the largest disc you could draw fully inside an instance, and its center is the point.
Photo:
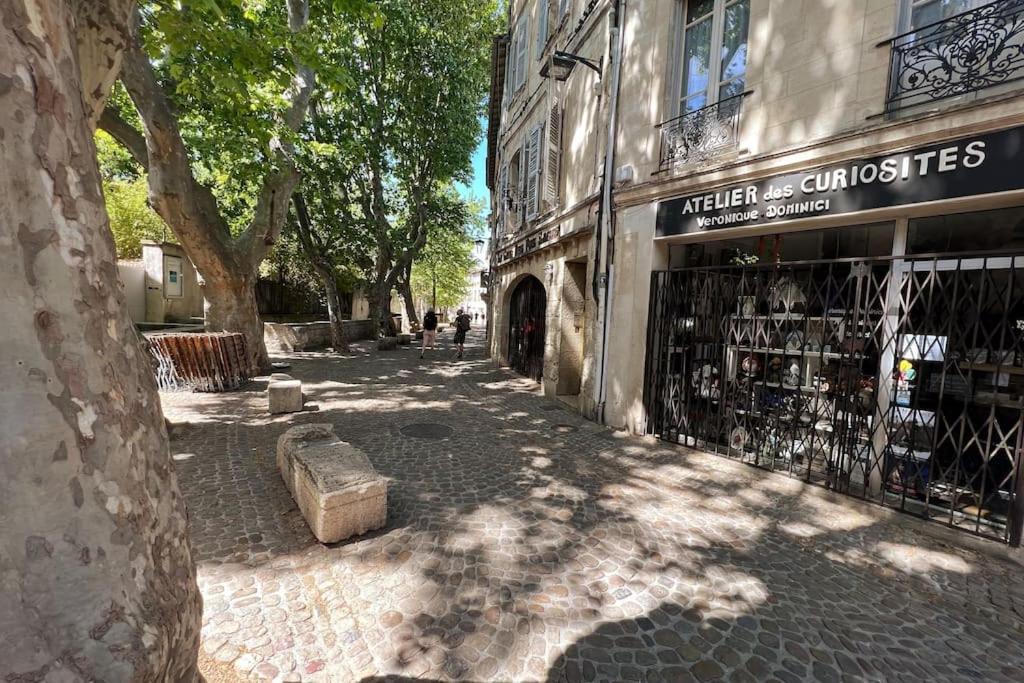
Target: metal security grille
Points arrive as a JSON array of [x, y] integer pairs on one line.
[[898, 380], [526, 328]]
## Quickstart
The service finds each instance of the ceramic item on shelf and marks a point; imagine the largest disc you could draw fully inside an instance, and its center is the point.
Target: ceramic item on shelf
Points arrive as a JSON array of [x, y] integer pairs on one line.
[[774, 373], [812, 345], [866, 391], [794, 340], [787, 297], [751, 366], [705, 381], [747, 306], [977, 356], [770, 446], [738, 438], [792, 376]]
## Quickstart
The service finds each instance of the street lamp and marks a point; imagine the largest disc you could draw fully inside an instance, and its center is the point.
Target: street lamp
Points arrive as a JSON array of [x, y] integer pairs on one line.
[[560, 65]]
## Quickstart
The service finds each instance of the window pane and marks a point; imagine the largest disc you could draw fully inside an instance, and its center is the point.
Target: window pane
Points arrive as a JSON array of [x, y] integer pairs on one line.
[[734, 43], [730, 89], [698, 8], [983, 231], [696, 59], [925, 13], [696, 102]]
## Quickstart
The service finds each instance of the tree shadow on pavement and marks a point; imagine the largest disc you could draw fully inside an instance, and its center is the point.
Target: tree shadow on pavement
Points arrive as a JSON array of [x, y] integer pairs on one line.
[[533, 545]]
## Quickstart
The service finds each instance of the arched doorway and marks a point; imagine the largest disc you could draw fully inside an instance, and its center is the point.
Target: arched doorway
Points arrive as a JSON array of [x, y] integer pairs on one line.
[[526, 328]]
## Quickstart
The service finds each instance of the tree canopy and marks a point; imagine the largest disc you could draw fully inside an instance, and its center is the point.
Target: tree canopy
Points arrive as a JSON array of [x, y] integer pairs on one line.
[[382, 146]]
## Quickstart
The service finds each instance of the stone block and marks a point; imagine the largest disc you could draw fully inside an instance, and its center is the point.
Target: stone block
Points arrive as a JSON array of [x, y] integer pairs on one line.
[[281, 377], [334, 484], [387, 343], [285, 396], [404, 339]]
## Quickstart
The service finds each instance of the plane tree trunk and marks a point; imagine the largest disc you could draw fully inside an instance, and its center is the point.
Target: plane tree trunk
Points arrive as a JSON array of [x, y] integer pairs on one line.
[[405, 287], [316, 254], [228, 264], [97, 580]]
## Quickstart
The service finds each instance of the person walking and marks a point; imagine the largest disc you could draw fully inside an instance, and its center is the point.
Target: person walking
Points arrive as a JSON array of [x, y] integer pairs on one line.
[[461, 328], [429, 331]]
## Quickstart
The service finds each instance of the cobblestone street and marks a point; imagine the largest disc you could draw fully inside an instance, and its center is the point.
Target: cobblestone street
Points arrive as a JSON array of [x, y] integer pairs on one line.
[[532, 545]]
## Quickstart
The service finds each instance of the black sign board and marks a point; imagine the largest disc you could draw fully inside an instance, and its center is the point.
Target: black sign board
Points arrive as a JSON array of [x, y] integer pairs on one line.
[[956, 168]]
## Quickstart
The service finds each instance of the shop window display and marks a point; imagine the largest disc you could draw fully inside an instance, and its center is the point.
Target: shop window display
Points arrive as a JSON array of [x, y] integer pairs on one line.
[[898, 379]]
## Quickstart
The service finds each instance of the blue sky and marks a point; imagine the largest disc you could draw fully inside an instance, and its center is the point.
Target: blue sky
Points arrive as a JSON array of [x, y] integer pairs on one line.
[[478, 188]]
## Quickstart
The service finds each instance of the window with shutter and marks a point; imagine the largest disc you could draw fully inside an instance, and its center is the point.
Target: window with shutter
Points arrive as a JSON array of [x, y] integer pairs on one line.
[[502, 200], [522, 49], [542, 26], [510, 58], [553, 156], [533, 171]]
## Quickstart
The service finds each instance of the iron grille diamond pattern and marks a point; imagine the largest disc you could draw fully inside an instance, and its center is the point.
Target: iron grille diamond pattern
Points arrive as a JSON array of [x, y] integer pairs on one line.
[[804, 368]]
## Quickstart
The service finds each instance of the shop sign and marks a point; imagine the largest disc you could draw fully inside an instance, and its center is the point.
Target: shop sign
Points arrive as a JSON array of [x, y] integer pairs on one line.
[[957, 168]]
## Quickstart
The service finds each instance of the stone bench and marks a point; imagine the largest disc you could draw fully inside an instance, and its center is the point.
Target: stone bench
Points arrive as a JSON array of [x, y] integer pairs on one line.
[[337, 489], [284, 394]]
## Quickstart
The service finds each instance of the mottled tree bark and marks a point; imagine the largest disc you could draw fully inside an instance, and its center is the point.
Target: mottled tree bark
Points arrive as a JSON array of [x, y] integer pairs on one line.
[[229, 264], [97, 580], [405, 287], [314, 251]]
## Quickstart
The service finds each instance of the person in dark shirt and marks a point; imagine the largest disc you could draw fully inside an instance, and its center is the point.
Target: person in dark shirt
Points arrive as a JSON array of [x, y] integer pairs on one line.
[[429, 331], [461, 328]]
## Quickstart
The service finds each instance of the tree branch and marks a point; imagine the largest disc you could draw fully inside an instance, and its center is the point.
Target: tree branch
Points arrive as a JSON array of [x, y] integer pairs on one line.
[[129, 138], [271, 210], [188, 207], [103, 33]]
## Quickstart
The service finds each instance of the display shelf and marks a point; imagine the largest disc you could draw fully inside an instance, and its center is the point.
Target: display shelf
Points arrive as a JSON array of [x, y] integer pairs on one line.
[[989, 367], [827, 355], [793, 317], [791, 387]]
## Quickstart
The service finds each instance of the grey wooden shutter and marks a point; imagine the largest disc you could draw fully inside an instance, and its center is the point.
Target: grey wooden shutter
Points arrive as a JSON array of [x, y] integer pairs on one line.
[[509, 57], [533, 171], [553, 155], [542, 27], [522, 50], [502, 199], [563, 8]]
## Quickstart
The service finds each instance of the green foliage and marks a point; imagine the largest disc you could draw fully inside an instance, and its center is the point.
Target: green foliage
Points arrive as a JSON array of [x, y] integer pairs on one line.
[[228, 68], [440, 270], [115, 161], [131, 218], [382, 147]]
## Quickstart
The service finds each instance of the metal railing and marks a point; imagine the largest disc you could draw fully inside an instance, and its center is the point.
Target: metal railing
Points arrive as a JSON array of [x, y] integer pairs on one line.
[[966, 53], [896, 380], [701, 134]]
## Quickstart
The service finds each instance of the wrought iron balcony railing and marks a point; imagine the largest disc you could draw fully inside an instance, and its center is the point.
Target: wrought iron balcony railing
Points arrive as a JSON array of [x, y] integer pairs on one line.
[[969, 52], [701, 134]]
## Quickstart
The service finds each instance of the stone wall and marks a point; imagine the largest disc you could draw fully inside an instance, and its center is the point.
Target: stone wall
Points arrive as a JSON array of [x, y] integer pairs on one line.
[[289, 337]]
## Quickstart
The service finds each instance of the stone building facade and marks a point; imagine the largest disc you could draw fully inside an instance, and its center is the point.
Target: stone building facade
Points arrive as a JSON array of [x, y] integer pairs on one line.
[[803, 206]]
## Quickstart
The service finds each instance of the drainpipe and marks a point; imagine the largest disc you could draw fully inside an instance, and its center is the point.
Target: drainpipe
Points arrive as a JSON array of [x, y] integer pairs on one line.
[[606, 222]]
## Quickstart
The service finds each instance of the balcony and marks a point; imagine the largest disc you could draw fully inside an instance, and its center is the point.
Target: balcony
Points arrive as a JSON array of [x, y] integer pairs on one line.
[[699, 135], [980, 49]]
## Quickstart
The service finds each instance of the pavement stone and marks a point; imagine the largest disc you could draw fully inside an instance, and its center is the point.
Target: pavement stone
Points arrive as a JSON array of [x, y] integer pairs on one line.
[[534, 545]]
